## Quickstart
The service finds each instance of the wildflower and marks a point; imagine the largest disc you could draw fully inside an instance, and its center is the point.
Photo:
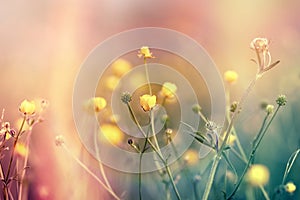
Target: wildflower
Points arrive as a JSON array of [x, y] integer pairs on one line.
[[21, 149], [258, 175], [27, 107], [145, 52], [112, 82], [281, 100], [168, 90], [230, 76], [260, 44], [126, 97], [96, 104], [112, 133], [231, 139], [130, 141], [120, 67], [59, 140], [147, 102], [290, 187], [269, 109], [191, 157], [233, 106], [196, 108]]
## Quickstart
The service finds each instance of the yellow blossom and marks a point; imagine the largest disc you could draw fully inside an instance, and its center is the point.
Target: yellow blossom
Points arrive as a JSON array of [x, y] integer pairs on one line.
[[258, 175], [145, 52], [112, 133], [231, 139], [95, 104], [120, 67], [147, 102], [168, 90], [230, 76], [21, 149], [290, 187], [112, 82], [191, 157], [260, 44], [27, 107]]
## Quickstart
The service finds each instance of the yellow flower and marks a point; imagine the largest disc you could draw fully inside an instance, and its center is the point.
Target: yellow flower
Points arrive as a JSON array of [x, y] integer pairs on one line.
[[120, 67], [290, 187], [21, 149], [231, 139], [95, 104], [230, 76], [260, 44], [168, 89], [112, 82], [145, 52], [147, 102], [27, 107], [258, 175], [112, 133], [191, 157]]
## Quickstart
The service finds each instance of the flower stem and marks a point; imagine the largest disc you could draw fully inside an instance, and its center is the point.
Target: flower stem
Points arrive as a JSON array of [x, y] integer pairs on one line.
[[147, 76], [219, 153], [259, 138], [89, 172]]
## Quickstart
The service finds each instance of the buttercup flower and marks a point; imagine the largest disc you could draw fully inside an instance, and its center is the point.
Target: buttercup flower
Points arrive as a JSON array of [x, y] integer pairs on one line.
[[112, 133], [168, 90], [112, 82], [147, 102], [27, 107], [120, 67], [21, 149], [96, 104], [290, 187], [258, 175], [145, 52], [230, 76], [191, 157]]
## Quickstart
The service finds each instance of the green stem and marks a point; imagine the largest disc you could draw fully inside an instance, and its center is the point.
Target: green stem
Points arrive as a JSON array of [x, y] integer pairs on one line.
[[156, 150], [147, 76], [219, 154], [259, 137], [289, 165]]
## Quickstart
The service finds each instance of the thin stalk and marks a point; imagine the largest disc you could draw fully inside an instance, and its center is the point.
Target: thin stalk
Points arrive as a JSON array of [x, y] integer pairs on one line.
[[147, 76], [89, 171], [238, 143], [264, 192], [262, 133], [219, 154], [156, 150], [289, 165]]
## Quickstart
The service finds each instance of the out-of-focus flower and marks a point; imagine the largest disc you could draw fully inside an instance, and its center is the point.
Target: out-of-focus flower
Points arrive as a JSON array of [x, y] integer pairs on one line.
[[290, 187], [269, 109], [258, 175], [21, 149], [147, 102], [112, 133], [145, 52], [191, 157], [112, 82], [231, 139], [120, 67], [260, 44], [95, 104], [168, 90], [230, 76], [27, 107], [59, 140]]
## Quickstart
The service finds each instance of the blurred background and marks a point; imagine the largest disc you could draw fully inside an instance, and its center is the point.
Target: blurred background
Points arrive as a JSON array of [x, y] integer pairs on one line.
[[44, 43]]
